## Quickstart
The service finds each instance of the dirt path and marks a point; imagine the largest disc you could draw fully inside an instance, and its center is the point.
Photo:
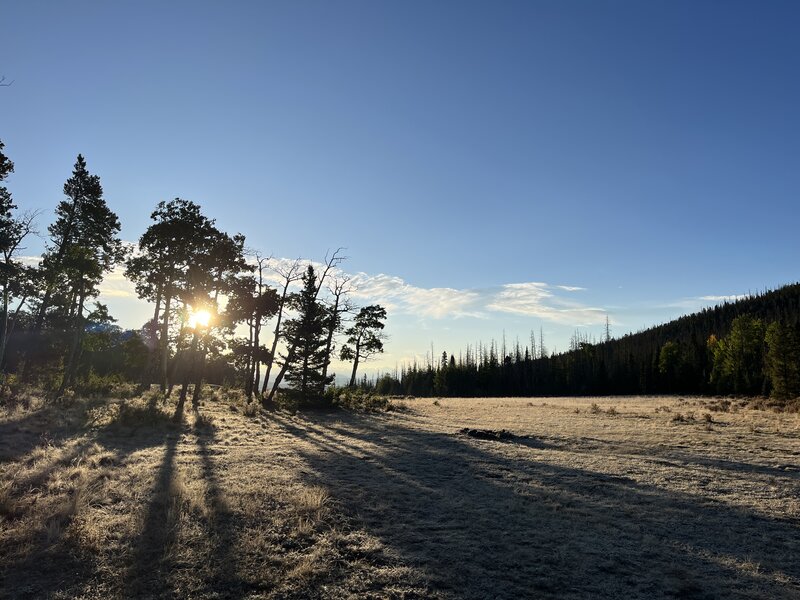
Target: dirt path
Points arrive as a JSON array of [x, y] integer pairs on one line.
[[584, 501]]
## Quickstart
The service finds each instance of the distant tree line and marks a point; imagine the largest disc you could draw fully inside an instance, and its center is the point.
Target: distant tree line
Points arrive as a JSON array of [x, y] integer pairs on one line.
[[206, 288], [747, 347]]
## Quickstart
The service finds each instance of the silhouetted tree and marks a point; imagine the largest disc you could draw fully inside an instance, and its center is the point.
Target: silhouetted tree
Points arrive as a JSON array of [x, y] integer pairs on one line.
[[84, 246], [179, 238], [305, 337], [14, 276], [252, 301], [338, 306], [365, 337], [331, 262], [289, 274]]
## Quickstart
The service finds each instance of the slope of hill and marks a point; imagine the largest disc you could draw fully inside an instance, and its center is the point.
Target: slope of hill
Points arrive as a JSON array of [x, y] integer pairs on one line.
[[745, 347]]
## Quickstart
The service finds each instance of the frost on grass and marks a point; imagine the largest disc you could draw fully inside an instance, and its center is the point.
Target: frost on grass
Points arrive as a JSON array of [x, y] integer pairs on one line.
[[600, 497]]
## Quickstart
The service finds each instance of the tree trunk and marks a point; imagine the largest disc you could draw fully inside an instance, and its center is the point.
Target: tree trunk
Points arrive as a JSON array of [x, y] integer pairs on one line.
[[72, 360], [164, 341], [276, 337], [150, 366], [256, 360], [248, 382], [355, 368], [355, 362], [329, 341], [186, 377], [4, 338], [198, 377], [279, 377]]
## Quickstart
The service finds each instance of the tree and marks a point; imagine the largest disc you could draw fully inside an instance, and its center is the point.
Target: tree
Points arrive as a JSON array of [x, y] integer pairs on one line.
[[743, 359], [217, 272], [289, 274], [330, 263], [670, 364], [82, 220], [84, 246], [179, 238], [338, 306], [252, 301], [364, 337], [783, 361], [13, 230], [305, 337]]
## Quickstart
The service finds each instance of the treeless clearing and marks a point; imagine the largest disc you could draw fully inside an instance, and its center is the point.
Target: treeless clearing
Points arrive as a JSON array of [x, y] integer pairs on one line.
[[102, 502]]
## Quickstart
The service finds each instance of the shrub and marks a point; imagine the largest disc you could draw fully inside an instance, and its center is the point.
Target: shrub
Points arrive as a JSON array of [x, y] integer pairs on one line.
[[112, 386], [354, 399], [203, 421], [137, 413]]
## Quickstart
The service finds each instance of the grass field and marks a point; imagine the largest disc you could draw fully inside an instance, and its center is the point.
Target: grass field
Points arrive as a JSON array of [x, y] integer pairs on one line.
[[592, 498]]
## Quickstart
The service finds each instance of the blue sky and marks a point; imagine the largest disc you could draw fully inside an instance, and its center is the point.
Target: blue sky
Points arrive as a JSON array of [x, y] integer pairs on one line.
[[471, 156]]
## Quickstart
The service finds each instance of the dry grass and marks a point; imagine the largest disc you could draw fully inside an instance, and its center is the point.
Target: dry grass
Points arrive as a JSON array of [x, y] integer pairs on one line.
[[592, 497]]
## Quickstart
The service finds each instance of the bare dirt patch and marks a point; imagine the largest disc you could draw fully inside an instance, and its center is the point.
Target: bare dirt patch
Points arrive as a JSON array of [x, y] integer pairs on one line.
[[577, 501]]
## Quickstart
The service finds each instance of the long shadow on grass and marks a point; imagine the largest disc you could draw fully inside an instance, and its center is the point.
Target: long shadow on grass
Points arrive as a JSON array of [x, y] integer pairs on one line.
[[149, 572], [480, 523], [20, 435], [40, 556], [223, 576], [669, 456]]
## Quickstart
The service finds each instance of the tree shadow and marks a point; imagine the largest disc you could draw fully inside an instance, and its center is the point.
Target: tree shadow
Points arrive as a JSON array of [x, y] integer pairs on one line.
[[148, 575], [673, 456], [20, 436], [478, 522], [222, 525]]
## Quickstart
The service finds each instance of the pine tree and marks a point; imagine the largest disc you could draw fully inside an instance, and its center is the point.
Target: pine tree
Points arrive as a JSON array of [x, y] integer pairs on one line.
[[365, 337], [84, 247], [783, 361], [306, 339]]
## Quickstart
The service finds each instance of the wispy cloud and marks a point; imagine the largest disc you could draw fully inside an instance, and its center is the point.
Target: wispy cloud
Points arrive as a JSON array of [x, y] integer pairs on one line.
[[536, 299], [435, 303]]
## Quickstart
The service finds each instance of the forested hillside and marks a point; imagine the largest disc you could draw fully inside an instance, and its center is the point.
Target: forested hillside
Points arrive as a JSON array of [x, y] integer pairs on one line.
[[745, 347]]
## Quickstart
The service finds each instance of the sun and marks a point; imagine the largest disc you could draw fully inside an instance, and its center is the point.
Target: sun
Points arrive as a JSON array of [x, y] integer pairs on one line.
[[199, 318]]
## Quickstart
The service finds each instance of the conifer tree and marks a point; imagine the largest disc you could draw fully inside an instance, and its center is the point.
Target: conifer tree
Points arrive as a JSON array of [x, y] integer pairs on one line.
[[306, 339], [84, 247], [783, 361], [364, 337]]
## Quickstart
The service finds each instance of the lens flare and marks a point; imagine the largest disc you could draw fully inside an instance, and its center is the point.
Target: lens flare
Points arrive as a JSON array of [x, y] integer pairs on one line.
[[199, 318]]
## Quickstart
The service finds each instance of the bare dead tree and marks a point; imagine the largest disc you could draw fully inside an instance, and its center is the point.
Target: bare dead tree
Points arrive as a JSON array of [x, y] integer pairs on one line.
[[255, 367], [340, 304], [289, 274]]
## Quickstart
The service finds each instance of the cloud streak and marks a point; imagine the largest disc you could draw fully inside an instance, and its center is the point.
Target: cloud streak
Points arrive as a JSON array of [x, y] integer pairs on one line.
[[531, 299], [536, 299]]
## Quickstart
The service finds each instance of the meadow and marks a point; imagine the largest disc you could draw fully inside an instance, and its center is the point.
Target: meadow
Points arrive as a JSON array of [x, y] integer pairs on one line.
[[640, 497]]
